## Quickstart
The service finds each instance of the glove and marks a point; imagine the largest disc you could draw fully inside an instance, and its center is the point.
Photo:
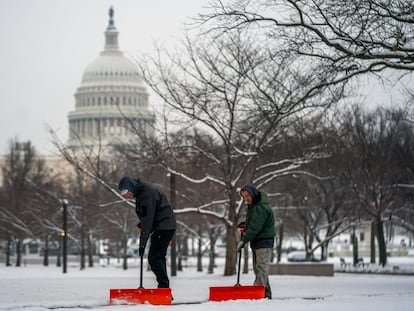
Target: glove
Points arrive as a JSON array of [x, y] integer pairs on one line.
[[242, 227], [141, 251], [240, 245]]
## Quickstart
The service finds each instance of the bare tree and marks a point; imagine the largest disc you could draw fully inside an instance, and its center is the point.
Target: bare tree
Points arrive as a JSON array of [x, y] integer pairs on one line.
[[95, 172], [237, 97], [15, 214], [403, 145], [323, 205], [45, 207], [374, 168], [351, 37]]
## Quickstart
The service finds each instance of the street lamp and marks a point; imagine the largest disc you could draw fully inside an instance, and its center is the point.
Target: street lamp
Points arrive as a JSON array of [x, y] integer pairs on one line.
[[64, 234]]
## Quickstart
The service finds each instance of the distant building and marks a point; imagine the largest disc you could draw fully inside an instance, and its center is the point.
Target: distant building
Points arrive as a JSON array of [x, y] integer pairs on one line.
[[111, 98], [54, 165]]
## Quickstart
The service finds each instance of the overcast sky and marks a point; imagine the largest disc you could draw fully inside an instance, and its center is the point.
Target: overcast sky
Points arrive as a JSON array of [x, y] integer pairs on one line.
[[47, 44]]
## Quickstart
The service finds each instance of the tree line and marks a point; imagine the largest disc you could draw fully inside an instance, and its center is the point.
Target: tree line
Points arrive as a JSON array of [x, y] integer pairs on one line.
[[328, 173]]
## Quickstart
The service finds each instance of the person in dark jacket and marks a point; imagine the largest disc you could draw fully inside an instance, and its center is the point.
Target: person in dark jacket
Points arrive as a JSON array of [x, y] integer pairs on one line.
[[259, 230], [157, 220]]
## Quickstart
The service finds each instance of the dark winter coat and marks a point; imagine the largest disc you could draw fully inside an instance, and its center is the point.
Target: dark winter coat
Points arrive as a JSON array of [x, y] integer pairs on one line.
[[151, 206], [260, 221]]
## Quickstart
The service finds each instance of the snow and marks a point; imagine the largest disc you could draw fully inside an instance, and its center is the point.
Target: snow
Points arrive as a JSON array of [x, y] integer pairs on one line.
[[34, 287]]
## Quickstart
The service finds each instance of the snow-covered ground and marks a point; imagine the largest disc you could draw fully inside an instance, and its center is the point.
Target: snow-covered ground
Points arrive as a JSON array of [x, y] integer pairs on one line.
[[34, 287]]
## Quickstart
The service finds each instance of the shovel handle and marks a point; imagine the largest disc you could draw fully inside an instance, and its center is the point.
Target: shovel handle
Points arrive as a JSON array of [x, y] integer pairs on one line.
[[239, 264], [238, 269], [140, 274]]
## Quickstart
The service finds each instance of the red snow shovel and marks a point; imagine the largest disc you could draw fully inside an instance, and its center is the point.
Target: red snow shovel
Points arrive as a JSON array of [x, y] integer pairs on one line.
[[141, 295], [221, 293]]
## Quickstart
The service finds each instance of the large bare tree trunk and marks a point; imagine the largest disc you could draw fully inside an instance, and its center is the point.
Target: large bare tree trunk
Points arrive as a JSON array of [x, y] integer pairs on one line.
[[211, 257], [82, 250], [324, 250], [46, 251], [231, 253], [200, 253], [8, 251], [246, 259], [212, 253], [124, 255], [382, 247], [372, 242], [19, 252], [279, 242], [90, 252], [58, 258], [182, 251]]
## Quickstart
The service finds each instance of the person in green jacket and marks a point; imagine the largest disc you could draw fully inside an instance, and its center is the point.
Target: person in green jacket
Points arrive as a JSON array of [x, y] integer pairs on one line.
[[260, 232]]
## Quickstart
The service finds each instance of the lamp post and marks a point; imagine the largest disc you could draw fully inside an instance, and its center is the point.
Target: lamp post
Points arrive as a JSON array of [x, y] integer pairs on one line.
[[64, 234]]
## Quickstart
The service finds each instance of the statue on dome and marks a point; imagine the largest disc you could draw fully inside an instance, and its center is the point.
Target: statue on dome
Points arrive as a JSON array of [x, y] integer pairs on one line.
[[111, 12], [111, 24]]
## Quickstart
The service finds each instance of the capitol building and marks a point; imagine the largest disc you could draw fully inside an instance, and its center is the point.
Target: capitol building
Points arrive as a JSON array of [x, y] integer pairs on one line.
[[111, 103], [111, 106]]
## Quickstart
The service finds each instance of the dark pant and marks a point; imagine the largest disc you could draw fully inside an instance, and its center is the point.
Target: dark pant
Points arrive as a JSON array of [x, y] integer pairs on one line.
[[160, 239]]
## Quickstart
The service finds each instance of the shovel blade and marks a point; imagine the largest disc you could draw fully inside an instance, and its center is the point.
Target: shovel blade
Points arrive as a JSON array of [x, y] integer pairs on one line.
[[154, 296], [221, 293]]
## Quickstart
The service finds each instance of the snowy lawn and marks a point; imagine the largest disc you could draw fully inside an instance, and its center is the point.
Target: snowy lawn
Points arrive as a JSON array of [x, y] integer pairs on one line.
[[35, 287]]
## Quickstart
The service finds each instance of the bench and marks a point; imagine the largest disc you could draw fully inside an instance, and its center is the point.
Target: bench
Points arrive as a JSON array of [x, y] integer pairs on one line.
[[306, 268], [361, 263], [344, 264]]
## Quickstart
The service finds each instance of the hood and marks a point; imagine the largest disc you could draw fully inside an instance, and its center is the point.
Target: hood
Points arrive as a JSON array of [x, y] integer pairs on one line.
[[129, 183], [254, 193]]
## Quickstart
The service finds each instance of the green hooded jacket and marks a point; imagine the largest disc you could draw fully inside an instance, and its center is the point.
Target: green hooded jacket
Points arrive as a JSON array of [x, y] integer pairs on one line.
[[260, 221]]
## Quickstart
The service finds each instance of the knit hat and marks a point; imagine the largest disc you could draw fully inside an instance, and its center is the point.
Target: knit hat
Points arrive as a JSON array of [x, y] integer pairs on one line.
[[254, 193]]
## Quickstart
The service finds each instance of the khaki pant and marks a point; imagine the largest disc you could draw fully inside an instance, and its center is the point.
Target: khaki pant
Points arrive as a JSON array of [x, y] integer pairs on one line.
[[261, 261]]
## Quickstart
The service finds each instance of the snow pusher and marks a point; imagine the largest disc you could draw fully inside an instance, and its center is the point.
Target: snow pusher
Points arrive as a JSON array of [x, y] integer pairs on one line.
[[141, 295], [221, 293]]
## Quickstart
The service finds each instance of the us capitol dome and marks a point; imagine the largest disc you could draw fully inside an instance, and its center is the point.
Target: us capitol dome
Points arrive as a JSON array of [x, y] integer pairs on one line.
[[110, 100]]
